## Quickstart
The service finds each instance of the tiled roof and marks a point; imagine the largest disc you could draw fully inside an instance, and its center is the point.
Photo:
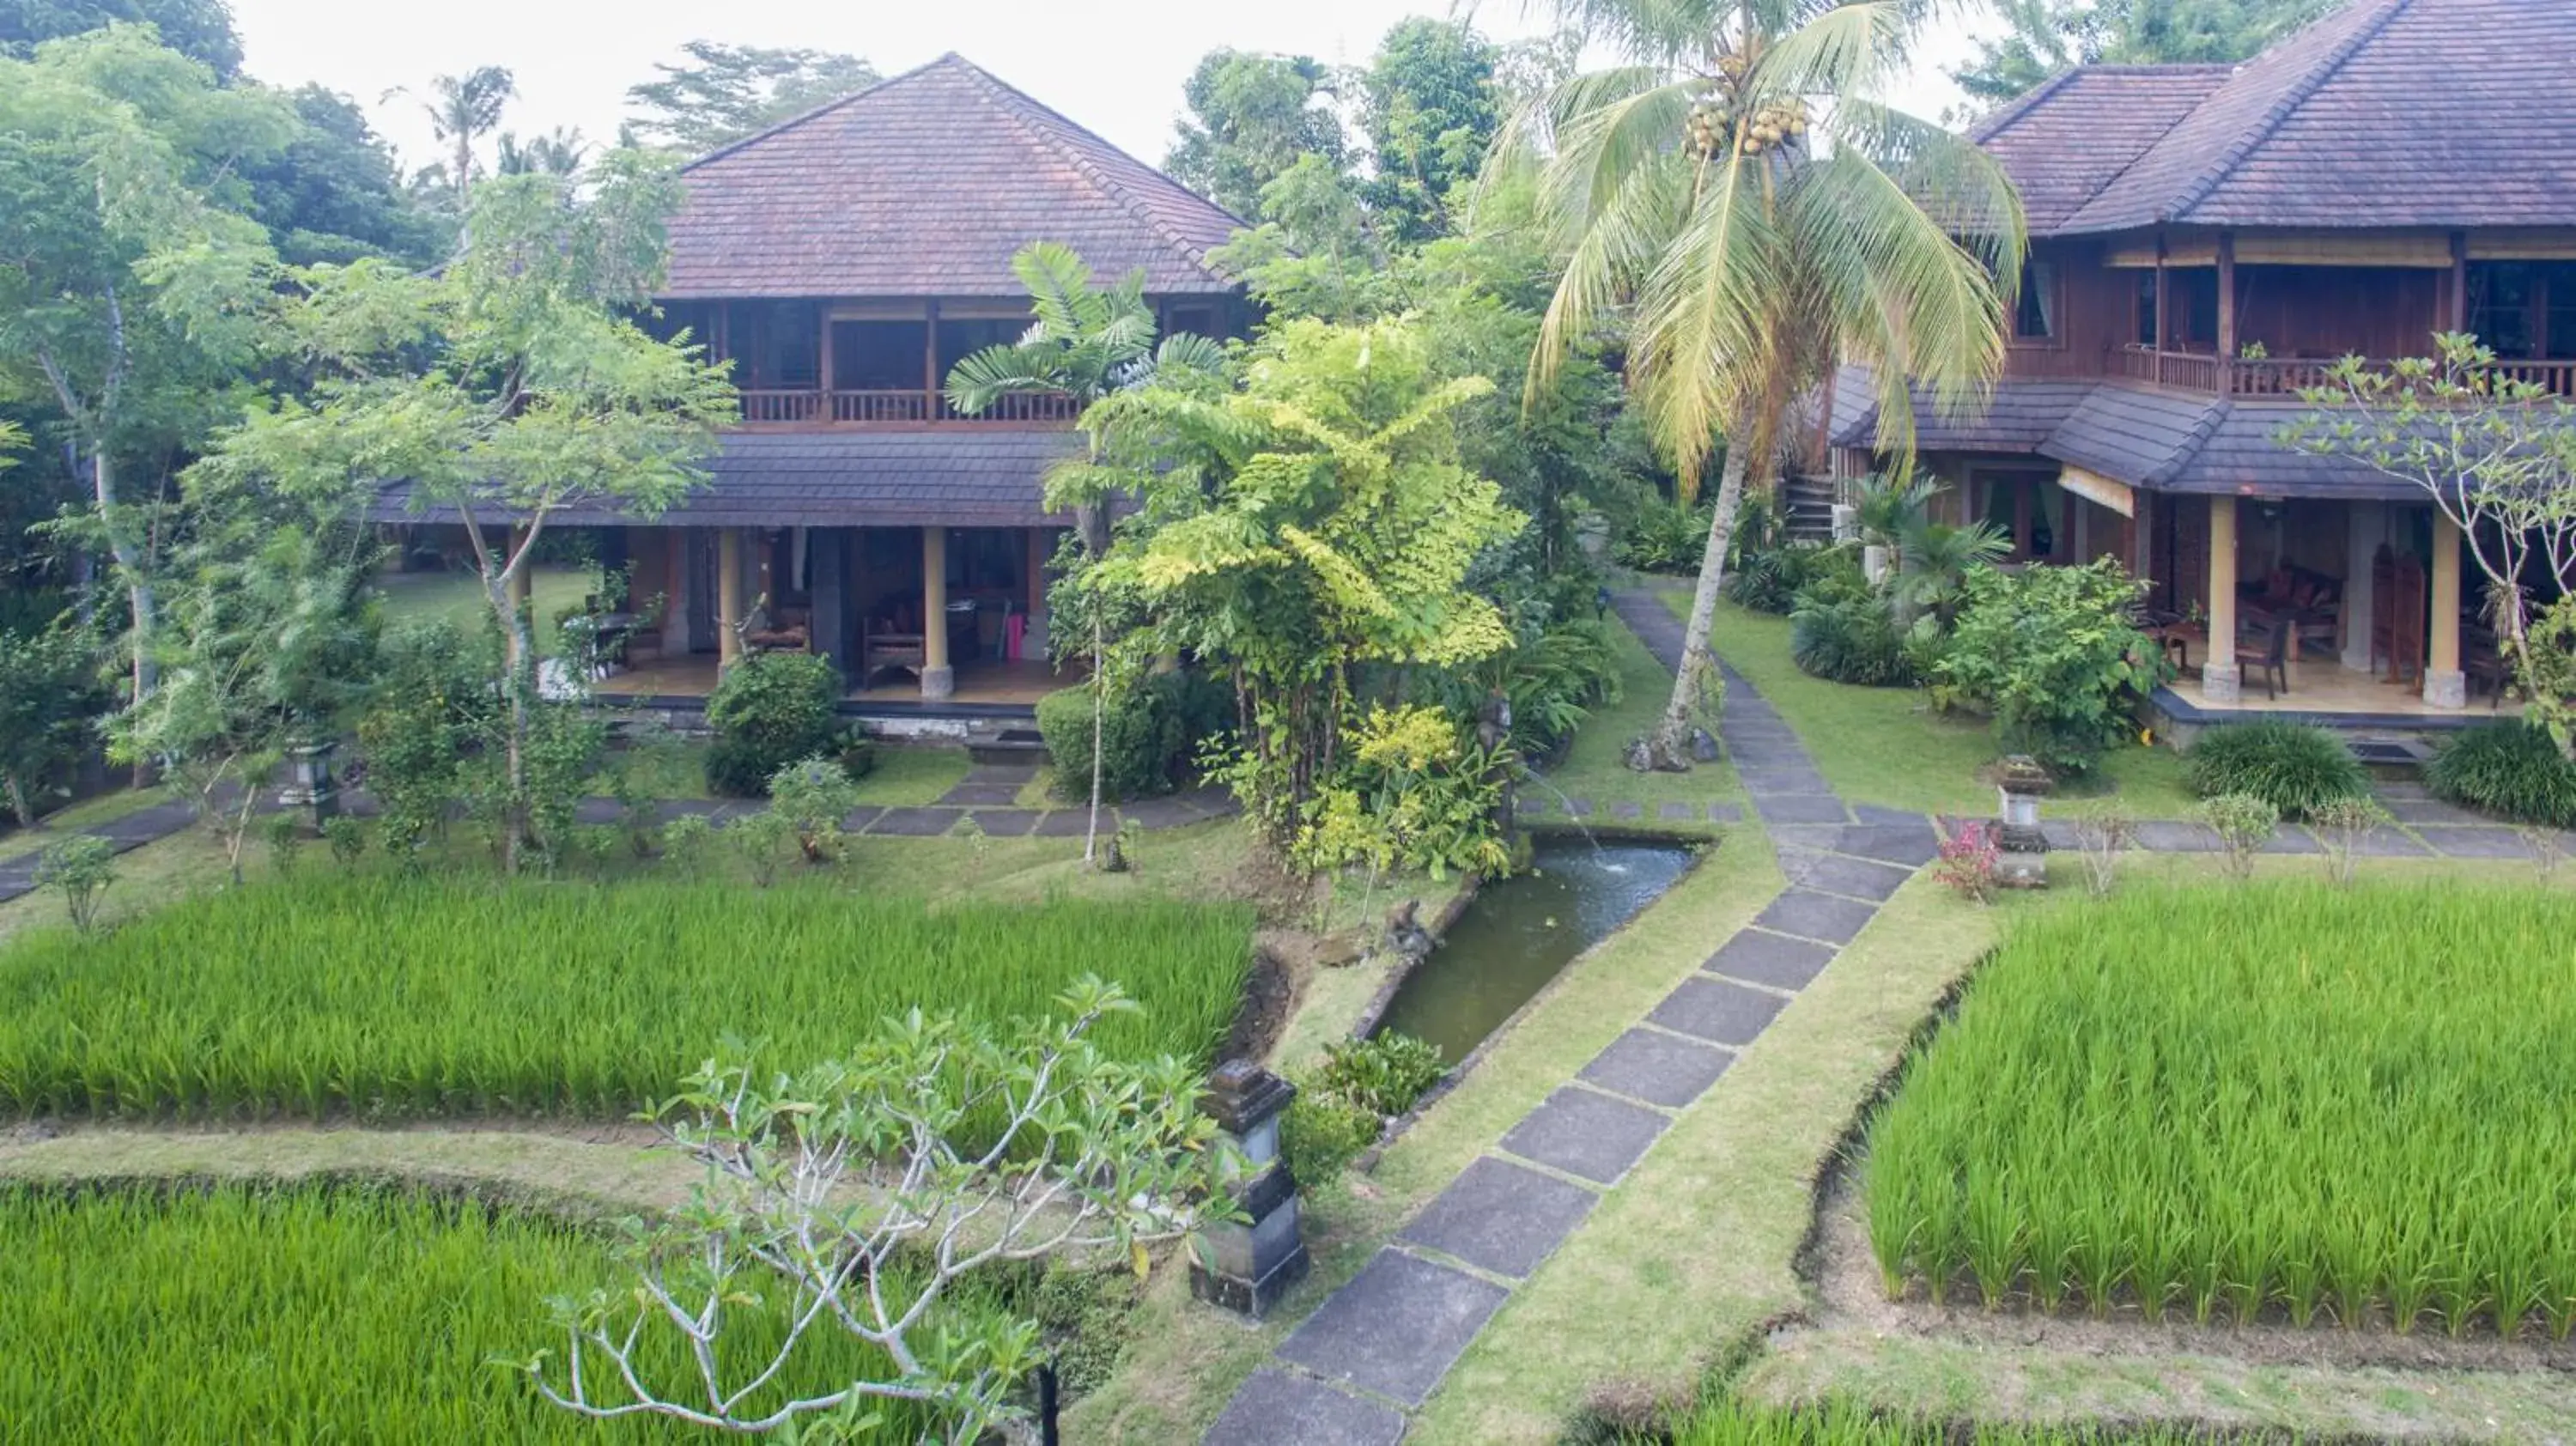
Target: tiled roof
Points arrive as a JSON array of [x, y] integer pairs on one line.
[[2016, 417], [924, 185], [954, 476], [2450, 113], [2135, 434]]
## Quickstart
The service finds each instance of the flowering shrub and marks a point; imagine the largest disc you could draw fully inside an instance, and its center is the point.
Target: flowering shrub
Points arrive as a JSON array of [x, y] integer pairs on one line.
[[1968, 860]]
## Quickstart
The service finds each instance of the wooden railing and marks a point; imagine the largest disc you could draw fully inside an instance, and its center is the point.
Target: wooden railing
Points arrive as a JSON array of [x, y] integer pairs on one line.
[[772, 406], [2557, 378], [2293, 376], [2192, 371]]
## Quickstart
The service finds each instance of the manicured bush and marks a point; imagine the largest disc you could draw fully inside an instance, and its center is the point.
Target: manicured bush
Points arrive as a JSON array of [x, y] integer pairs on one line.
[[334, 994], [1149, 734], [197, 1317], [1769, 580], [2282, 1097], [2299, 768], [2051, 655], [1849, 640], [1322, 1133], [1386, 1072], [770, 710], [2509, 769]]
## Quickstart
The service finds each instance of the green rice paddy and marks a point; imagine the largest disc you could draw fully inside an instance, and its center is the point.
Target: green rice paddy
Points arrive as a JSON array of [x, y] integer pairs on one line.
[[1730, 1423], [315, 1314], [2281, 1099], [377, 996]]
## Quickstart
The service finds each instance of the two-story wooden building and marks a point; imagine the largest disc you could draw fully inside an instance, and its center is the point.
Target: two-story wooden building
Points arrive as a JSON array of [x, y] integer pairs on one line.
[[843, 261], [2205, 240]]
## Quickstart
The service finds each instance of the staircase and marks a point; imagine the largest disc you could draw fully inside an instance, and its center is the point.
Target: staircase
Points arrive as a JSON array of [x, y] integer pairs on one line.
[[1807, 508]]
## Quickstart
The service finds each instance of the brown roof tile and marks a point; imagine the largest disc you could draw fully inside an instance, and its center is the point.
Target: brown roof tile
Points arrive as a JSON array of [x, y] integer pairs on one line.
[[924, 185]]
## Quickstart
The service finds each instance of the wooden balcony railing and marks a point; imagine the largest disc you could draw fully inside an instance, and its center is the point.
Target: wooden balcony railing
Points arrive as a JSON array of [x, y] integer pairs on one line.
[[771, 406], [2292, 376]]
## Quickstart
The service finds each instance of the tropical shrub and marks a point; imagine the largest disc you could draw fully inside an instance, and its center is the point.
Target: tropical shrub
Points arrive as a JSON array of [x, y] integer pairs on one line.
[[812, 797], [1849, 640], [770, 710], [2244, 822], [1412, 793], [1150, 732], [245, 1313], [2287, 1096], [479, 996], [2299, 768], [1769, 581], [2051, 655], [79, 869], [1662, 537], [1322, 1133], [2510, 769], [1552, 680], [1386, 1072], [434, 707]]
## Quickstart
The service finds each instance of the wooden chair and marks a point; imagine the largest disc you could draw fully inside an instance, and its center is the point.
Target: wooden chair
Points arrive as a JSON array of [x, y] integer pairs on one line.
[[2276, 655], [2383, 607], [2406, 628]]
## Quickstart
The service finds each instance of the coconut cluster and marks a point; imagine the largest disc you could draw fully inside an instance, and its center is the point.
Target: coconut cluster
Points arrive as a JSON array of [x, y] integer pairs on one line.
[[1710, 126]]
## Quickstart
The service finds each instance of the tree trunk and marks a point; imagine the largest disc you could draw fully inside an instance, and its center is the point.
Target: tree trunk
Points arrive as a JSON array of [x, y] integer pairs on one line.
[[1099, 716], [129, 558], [1670, 747]]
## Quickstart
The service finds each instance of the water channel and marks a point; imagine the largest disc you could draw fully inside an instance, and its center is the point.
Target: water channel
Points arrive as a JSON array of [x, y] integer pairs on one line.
[[1516, 934]]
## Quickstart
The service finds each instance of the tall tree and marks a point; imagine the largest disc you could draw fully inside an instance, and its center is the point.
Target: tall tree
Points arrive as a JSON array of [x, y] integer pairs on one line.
[[1251, 118], [505, 388], [1738, 193], [727, 92], [128, 289], [335, 192], [202, 30], [559, 152], [1429, 106], [2043, 37], [1087, 342], [462, 109]]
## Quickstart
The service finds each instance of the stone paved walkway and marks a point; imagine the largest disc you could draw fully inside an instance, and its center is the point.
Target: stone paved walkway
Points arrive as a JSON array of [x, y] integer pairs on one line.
[[1351, 1373]]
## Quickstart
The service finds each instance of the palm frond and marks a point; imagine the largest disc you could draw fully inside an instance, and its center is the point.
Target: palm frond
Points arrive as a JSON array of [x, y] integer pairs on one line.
[[1058, 284], [1849, 52], [1704, 335], [980, 379]]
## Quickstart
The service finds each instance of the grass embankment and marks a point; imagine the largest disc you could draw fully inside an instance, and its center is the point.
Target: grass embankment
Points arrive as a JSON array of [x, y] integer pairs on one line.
[[2286, 1097], [1596, 767], [1732, 1424], [1886, 745], [389, 997], [457, 597], [314, 1313]]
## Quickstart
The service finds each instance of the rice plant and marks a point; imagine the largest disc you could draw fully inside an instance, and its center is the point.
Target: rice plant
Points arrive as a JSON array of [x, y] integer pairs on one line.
[[1840, 1423], [2286, 1099], [309, 1313], [387, 997]]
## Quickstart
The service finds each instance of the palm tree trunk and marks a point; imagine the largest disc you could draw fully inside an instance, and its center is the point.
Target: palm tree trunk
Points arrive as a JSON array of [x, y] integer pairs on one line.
[[1670, 748], [1099, 717]]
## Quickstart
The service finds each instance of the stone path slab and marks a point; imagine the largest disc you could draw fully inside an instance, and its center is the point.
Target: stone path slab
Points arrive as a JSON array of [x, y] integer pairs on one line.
[[1395, 1328], [1586, 1134], [1500, 1217], [1762, 957], [1006, 822], [1720, 1011], [1658, 1068], [1799, 808], [971, 794], [2486, 841], [1276, 1406], [1811, 914], [1842, 874], [915, 822]]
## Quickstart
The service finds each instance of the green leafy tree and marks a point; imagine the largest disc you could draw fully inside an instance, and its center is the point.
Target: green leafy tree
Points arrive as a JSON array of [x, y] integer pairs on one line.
[[1740, 196], [726, 92], [1087, 342], [2053, 656], [49, 699], [1429, 107], [201, 30], [1251, 118], [1027, 1144], [1313, 520], [2496, 456], [462, 109], [2043, 37], [505, 388], [334, 192], [129, 285]]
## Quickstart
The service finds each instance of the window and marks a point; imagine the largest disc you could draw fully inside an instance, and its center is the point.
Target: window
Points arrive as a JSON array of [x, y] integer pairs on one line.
[[1199, 319], [2035, 311], [2500, 297]]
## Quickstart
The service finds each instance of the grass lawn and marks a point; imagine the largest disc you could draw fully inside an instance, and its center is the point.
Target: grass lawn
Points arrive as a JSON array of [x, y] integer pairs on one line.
[[904, 776], [365, 993], [2286, 1098], [1595, 766], [458, 598], [317, 1313], [1887, 746], [54, 827]]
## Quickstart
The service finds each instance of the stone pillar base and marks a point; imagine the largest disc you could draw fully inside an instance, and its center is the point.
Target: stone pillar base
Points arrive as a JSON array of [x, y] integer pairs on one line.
[[2219, 683], [2446, 690], [938, 682]]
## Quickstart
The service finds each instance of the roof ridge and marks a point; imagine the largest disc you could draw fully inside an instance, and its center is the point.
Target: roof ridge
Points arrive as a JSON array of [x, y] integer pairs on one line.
[[2198, 188], [2193, 441], [2022, 105], [1016, 104], [802, 116]]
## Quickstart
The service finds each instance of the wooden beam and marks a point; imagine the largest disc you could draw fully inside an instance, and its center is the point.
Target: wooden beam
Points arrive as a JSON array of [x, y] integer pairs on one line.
[[930, 361], [823, 378], [729, 600], [828, 551], [2164, 299], [2444, 685], [2219, 677]]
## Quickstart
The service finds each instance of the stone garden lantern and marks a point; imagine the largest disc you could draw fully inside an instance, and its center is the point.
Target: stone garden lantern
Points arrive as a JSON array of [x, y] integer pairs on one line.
[[309, 784], [2021, 860], [1246, 1265]]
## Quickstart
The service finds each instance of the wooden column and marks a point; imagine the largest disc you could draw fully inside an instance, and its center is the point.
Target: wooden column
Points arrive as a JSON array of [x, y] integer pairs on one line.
[[2218, 681], [676, 640], [2445, 686], [729, 599], [938, 679], [932, 408], [2164, 305], [823, 363], [2226, 307], [2364, 524], [828, 554]]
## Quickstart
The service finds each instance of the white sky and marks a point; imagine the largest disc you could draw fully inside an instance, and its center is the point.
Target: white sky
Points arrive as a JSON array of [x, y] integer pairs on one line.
[[1116, 66]]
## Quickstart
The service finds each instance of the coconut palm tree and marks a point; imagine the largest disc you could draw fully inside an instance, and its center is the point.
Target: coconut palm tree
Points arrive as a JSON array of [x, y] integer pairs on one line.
[[1738, 198], [462, 109], [1085, 343]]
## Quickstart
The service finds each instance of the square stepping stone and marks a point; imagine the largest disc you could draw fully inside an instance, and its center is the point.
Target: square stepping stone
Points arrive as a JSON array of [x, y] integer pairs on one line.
[[1501, 1217], [2167, 836], [1625, 809], [2490, 841], [1073, 822], [1586, 1134], [1659, 1068], [1799, 808], [1813, 915], [1672, 811], [1842, 874], [2424, 809], [1776, 778], [1725, 812], [1579, 807], [1871, 813], [1720, 1011], [2291, 839], [1910, 844], [1005, 822], [1276, 1408], [1528, 807], [988, 795], [1755, 754], [915, 822], [1395, 1329], [858, 819], [1160, 812], [1014, 774], [1762, 957]]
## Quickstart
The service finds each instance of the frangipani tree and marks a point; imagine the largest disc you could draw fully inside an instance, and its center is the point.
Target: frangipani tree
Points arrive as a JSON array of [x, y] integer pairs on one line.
[[1739, 198]]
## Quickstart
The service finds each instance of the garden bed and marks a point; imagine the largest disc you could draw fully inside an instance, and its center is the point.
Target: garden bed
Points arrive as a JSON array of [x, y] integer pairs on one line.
[[2283, 1103], [386, 997]]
